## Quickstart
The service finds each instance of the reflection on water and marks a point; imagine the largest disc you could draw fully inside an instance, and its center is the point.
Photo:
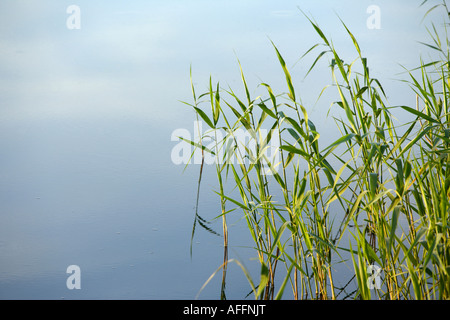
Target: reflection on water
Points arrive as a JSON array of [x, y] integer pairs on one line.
[[107, 198], [85, 181], [120, 211]]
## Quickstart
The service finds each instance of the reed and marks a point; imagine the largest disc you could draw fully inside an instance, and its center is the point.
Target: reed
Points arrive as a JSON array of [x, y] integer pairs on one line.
[[391, 182]]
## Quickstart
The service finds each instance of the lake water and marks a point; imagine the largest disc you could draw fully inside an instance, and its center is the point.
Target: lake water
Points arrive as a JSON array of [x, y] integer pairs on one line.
[[86, 117]]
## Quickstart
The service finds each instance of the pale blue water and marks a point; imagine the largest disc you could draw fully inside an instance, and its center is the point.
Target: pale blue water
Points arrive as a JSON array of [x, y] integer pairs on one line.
[[86, 118]]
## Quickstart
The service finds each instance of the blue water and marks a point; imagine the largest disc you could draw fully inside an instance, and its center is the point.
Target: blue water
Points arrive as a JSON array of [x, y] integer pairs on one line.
[[86, 117]]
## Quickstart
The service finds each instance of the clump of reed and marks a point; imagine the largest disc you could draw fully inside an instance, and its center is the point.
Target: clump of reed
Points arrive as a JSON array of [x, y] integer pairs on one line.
[[391, 183]]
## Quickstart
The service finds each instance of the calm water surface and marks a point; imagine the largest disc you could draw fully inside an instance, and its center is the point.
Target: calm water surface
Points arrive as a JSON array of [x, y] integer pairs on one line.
[[86, 118]]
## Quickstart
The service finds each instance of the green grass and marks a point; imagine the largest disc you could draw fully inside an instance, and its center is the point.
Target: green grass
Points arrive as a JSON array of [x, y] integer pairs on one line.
[[391, 183]]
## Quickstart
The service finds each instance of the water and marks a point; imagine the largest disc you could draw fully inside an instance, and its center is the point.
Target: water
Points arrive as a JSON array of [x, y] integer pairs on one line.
[[86, 118], [123, 214]]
